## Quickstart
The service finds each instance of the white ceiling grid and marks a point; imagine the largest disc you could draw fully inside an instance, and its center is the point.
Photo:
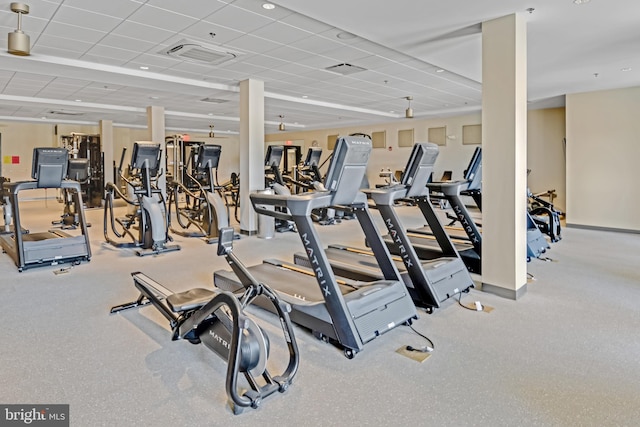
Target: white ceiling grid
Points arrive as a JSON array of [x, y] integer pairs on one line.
[[93, 50]]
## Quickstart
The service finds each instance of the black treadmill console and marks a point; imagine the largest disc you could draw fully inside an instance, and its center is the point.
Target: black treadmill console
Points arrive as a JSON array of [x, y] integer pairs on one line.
[[348, 168], [146, 155], [419, 168], [208, 157], [473, 173], [49, 166]]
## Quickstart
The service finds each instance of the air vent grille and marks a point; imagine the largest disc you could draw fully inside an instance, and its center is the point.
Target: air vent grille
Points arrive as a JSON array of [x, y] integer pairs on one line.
[[214, 100], [66, 113], [200, 52], [345, 69]]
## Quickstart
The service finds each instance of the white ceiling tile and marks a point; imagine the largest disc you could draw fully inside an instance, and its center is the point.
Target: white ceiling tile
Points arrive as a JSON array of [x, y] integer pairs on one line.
[[281, 33], [193, 8], [85, 19], [255, 6], [240, 19], [52, 51], [129, 43], [100, 59], [264, 61], [250, 43], [316, 44], [115, 8], [161, 18], [201, 31], [288, 53], [113, 52], [64, 44], [305, 23], [143, 32], [72, 32]]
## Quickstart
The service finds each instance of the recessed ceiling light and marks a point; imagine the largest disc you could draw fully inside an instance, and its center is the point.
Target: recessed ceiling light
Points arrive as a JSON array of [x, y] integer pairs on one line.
[[43, 118], [144, 68], [581, 1], [305, 96], [439, 70], [211, 114], [153, 97], [625, 69], [268, 6], [78, 100], [392, 111]]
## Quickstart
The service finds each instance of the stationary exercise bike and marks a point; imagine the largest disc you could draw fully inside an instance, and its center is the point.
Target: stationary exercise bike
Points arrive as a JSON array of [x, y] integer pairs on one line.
[[149, 212], [217, 320]]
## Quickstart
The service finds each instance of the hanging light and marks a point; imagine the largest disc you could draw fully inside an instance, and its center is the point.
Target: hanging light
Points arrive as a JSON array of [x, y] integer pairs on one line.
[[408, 113], [211, 134], [281, 125], [18, 42]]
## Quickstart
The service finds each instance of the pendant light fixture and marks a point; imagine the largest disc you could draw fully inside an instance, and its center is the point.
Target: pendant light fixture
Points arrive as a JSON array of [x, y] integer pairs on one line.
[[408, 113], [281, 125], [18, 42], [211, 134]]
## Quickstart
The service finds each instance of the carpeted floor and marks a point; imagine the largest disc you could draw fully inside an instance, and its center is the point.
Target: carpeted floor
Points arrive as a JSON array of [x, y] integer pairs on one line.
[[566, 354]]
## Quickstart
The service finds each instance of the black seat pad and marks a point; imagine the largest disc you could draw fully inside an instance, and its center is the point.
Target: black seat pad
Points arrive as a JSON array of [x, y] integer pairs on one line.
[[189, 300]]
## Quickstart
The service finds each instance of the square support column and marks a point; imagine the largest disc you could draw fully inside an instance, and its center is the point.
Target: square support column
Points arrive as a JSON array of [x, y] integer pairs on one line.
[[251, 150], [504, 156], [155, 124], [106, 139]]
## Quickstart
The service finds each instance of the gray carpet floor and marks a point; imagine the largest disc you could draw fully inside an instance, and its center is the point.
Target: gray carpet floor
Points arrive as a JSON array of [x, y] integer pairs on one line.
[[566, 354]]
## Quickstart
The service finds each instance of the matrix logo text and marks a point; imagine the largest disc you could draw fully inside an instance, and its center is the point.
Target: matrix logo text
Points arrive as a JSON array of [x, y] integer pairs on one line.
[[37, 415]]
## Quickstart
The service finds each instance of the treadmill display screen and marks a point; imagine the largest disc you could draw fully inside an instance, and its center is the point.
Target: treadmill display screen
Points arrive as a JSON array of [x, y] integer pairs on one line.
[[419, 168], [348, 168], [49, 166]]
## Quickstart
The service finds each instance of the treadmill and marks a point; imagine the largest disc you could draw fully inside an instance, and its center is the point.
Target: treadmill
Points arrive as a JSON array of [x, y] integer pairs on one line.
[[346, 312], [435, 242], [49, 169], [471, 186], [429, 282]]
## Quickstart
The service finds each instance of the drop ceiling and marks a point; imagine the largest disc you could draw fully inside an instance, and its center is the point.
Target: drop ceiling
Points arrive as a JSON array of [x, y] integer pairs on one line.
[[96, 59]]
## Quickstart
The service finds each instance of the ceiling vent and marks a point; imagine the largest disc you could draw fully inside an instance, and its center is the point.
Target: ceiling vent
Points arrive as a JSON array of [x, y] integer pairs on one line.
[[65, 113], [214, 100], [200, 52], [345, 69]]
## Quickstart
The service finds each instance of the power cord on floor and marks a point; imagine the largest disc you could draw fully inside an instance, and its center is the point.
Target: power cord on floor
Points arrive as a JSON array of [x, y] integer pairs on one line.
[[426, 349], [478, 304]]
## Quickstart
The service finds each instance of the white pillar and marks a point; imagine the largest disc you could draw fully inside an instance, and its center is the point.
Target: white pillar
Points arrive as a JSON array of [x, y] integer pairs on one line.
[[155, 124], [251, 150], [504, 156], [106, 141]]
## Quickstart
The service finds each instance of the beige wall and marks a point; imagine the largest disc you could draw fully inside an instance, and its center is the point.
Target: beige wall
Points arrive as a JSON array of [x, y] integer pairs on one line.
[[545, 153], [545, 148], [603, 148], [546, 160]]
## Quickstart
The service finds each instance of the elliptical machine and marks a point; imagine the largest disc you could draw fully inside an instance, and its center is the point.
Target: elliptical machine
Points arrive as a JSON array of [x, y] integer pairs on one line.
[[202, 207], [217, 320], [149, 213]]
